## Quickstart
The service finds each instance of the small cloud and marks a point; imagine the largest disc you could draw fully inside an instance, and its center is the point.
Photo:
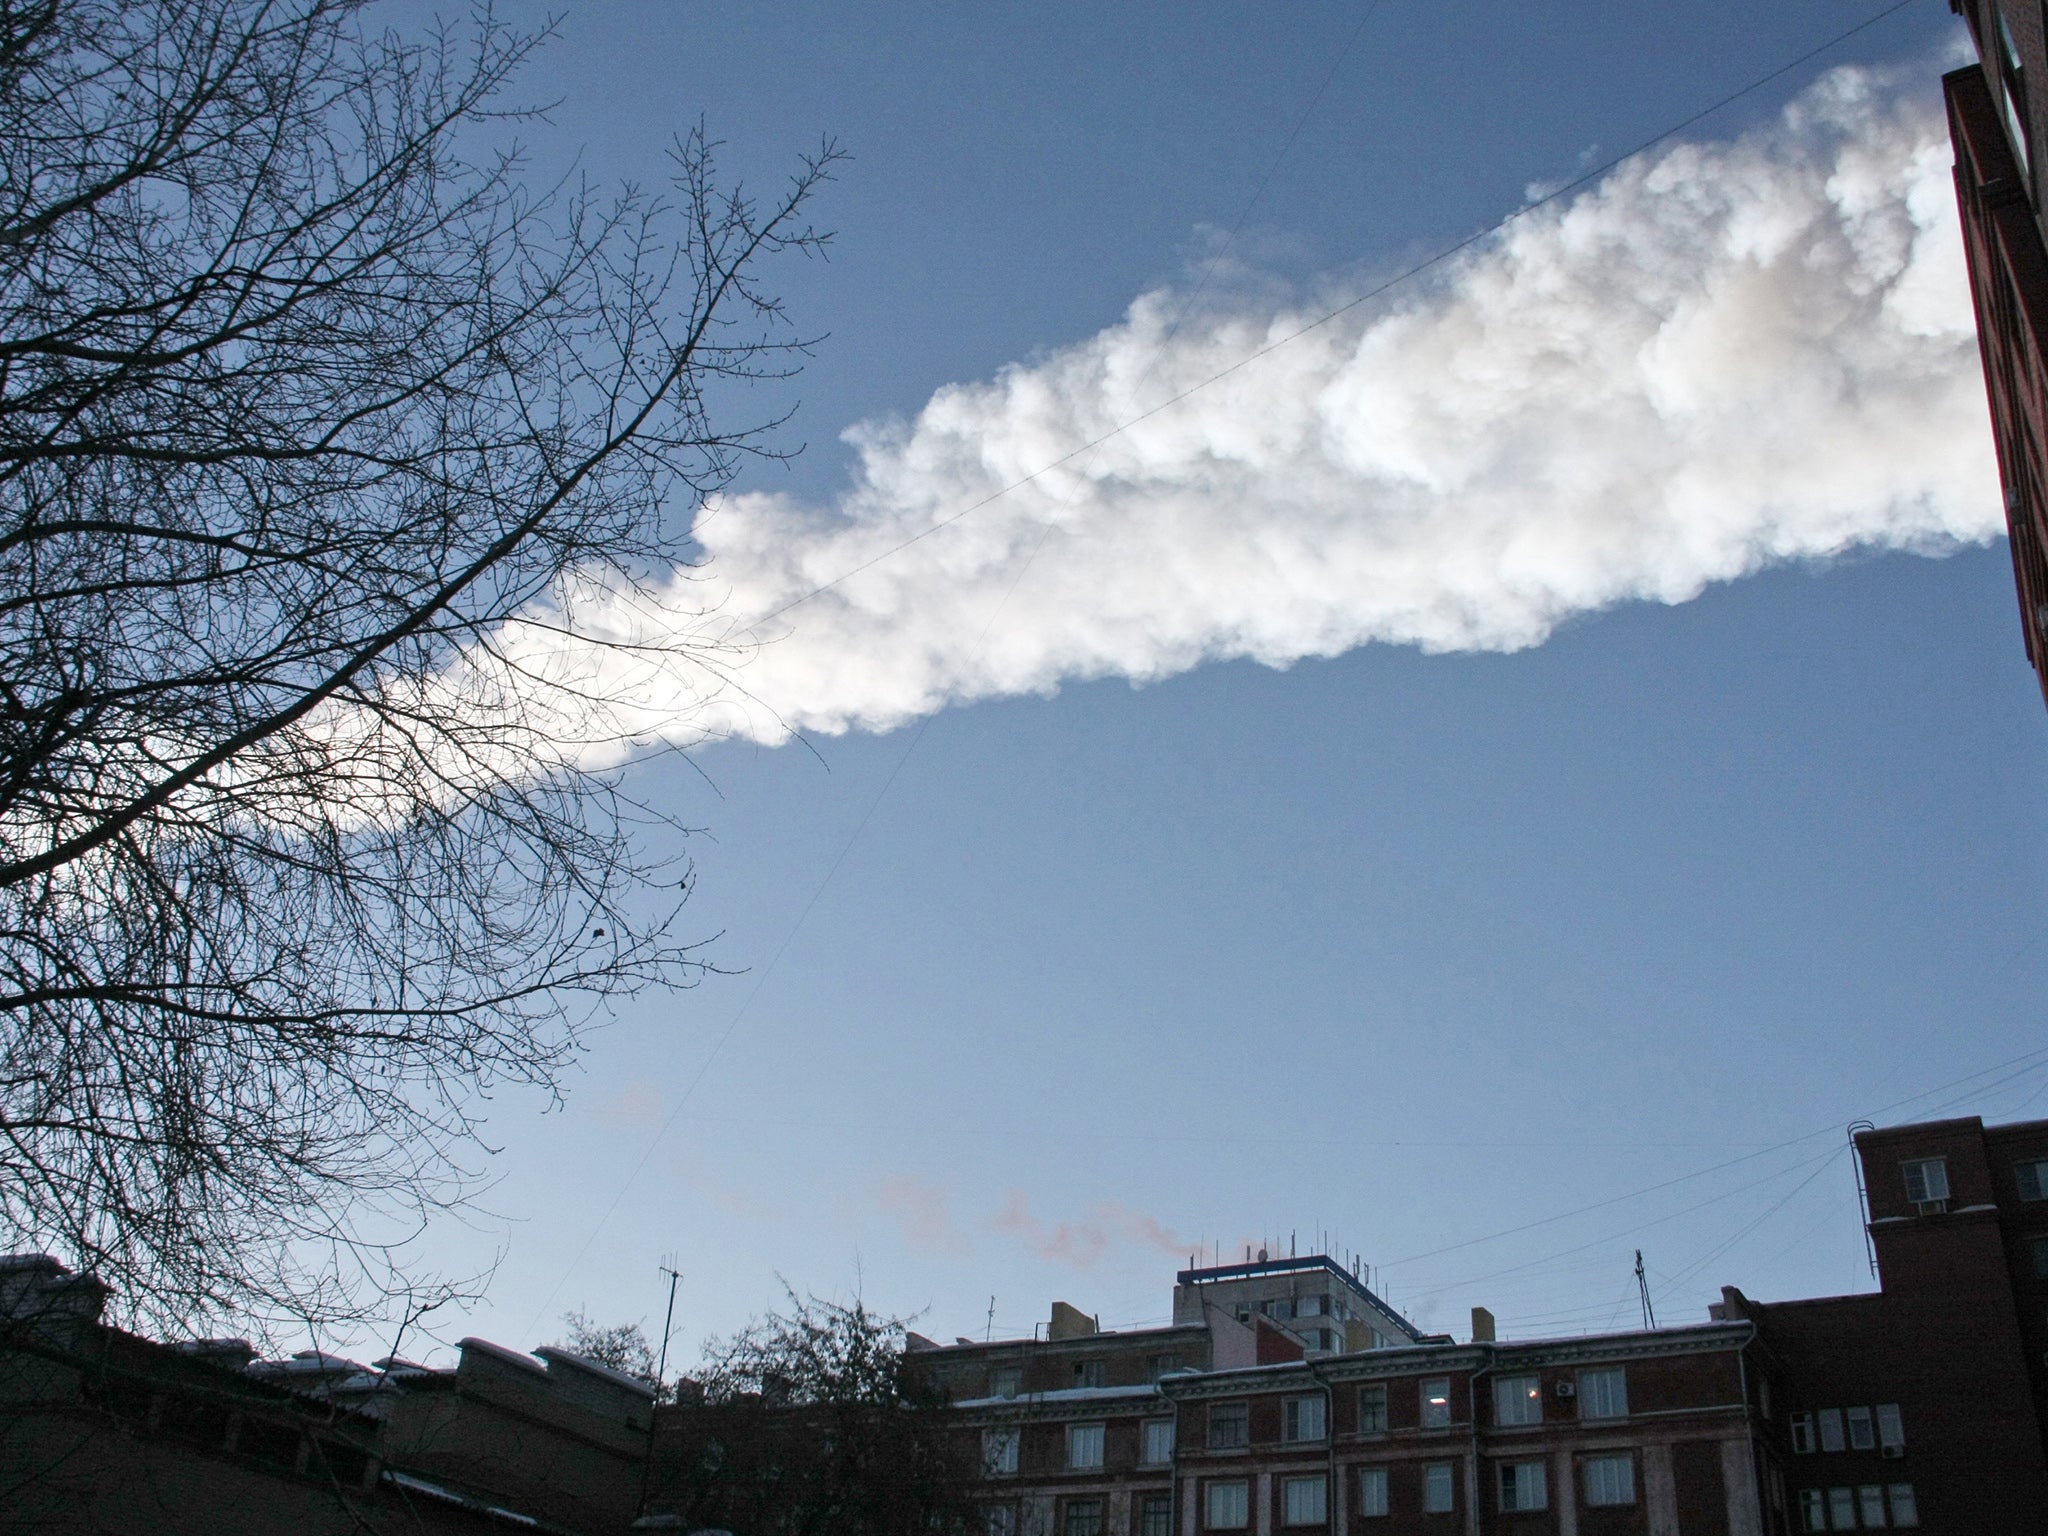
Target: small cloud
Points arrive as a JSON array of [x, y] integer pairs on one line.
[[638, 1103], [1082, 1243], [924, 1212]]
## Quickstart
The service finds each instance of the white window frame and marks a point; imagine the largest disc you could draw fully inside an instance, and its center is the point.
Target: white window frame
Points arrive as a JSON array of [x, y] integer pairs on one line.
[[1304, 1489], [1603, 1393], [1436, 1402], [1891, 1429], [1091, 1375], [1521, 1485], [1303, 1421], [1439, 1487], [1376, 1395], [1236, 1494], [1926, 1179], [1155, 1442], [1610, 1481], [1085, 1446], [1862, 1429], [1006, 1381], [1517, 1400], [1870, 1505], [1831, 1437], [1905, 1504], [999, 1452], [1372, 1491]]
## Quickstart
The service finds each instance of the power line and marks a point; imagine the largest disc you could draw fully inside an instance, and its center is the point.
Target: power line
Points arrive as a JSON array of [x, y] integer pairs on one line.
[[1400, 278]]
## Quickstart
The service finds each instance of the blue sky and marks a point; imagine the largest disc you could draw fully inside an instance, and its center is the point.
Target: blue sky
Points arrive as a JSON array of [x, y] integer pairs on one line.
[[1090, 953]]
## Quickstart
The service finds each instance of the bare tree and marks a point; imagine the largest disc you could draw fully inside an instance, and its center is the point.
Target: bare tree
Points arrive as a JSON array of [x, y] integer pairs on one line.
[[621, 1346], [313, 416], [808, 1422]]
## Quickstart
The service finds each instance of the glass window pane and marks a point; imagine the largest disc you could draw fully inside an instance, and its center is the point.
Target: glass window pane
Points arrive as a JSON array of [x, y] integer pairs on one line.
[[1228, 1504], [1436, 1402], [1831, 1429], [1302, 1501], [1905, 1508], [1436, 1488], [1372, 1490], [1517, 1400], [1372, 1410]]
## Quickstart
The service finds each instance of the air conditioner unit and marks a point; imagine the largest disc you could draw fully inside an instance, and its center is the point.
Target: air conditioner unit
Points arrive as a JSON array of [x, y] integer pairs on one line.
[[1929, 1207], [1895, 1451], [1567, 1389]]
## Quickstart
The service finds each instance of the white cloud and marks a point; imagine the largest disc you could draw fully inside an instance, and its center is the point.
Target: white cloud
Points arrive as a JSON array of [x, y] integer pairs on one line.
[[1720, 357]]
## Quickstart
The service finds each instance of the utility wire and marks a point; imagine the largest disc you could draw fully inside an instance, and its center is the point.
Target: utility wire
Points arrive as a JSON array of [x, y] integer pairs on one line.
[[1400, 278]]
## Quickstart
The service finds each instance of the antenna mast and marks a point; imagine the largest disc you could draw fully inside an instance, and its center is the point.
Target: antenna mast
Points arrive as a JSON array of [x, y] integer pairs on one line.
[[1643, 1290]]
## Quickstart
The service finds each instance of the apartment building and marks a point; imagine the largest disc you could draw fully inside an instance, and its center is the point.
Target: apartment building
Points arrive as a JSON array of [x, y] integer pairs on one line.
[[1325, 1307], [1997, 111]]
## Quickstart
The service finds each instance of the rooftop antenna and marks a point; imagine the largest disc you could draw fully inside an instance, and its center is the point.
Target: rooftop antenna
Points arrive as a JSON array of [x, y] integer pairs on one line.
[[668, 1323], [1643, 1289], [990, 1331]]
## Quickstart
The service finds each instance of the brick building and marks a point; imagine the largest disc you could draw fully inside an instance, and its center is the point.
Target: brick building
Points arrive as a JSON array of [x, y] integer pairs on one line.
[[1997, 112]]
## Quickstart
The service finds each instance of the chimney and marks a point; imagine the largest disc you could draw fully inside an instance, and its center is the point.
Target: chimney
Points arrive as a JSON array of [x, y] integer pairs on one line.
[[1069, 1323], [1482, 1326]]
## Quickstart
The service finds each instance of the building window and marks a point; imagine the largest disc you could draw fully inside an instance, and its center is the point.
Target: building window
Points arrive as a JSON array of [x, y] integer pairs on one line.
[[1610, 1480], [1005, 1381], [1437, 1485], [1228, 1506], [1304, 1500], [1891, 1429], [2033, 1180], [1905, 1508], [1813, 1510], [1518, 1400], [1302, 1420], [1155, 1515], [1522, 1485], [1802, 1434], [1089, 1373], [1281, 1310], [1312, 1306], [1870, 1501], [999, 1520], [1163, 1365], [1926, 1180], [1372, 1490], [1230, 1426], [1831, 1429], [1372, 1410], [998, 1452], [1842, 1508], [1084, 1447], [1604, 1394], [1155, 1442], [1436, 1402], [1862, 1430], [1084, 1517], [2012, 83]]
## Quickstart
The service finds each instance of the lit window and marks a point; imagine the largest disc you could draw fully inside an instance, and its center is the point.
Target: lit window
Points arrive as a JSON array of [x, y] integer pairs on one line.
[[1155, 1445], [1802, 1434], [1862, 1430], [1084, 1517], [1870, 1500], [1518, 1400], [1610, 1480], [1084, 1447], [998, 1451], [1436, 1488], [1522, 1485], [1089, 1373], [1842, 1508], [1005, 1381], [2033, 1180], [1603, 1394], [1372, 1410], [1905, 1508], [1302, 1420], [1230, 1426], [1891, 1429], [1831, 1429], [999, 1520], [1155, 1515], [1926, 1179], [1813, 1509], [1228, 1506], [1436, 1402], [1372, 1490], [1304, 1500]]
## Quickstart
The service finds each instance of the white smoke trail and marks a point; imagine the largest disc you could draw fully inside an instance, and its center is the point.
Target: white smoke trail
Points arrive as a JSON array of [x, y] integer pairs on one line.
[[1720, 357]]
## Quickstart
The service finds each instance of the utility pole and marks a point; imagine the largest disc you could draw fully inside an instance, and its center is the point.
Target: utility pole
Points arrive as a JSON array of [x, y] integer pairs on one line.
[[1643, 1290], [660, 1377]]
